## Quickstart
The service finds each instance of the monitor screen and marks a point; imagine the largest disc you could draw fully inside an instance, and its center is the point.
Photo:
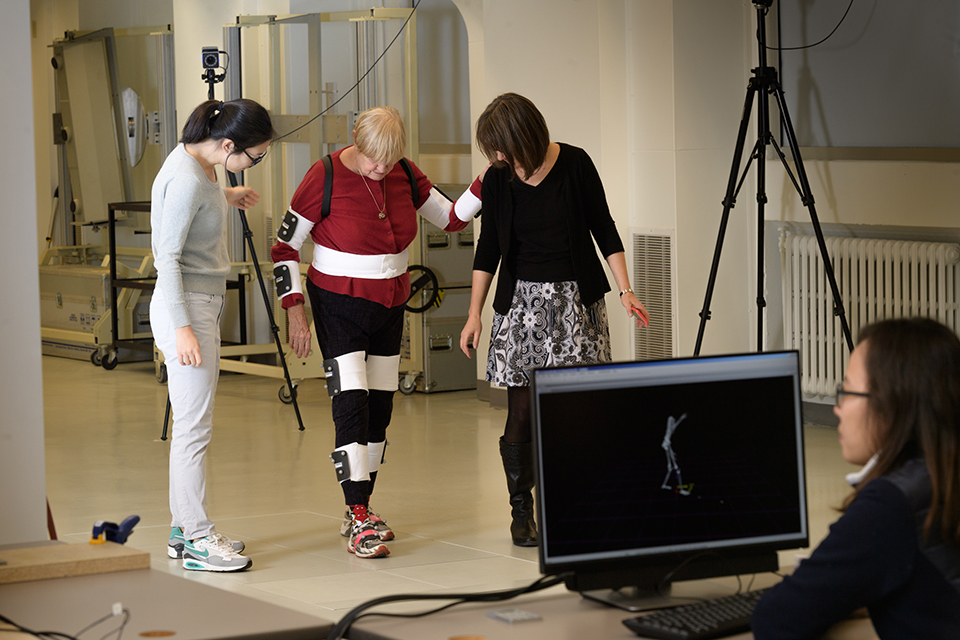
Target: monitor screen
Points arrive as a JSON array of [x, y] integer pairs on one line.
[[668, 470]]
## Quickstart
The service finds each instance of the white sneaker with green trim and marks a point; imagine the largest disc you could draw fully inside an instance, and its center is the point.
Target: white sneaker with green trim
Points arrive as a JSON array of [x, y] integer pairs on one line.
[[176, 542], [213, 553]]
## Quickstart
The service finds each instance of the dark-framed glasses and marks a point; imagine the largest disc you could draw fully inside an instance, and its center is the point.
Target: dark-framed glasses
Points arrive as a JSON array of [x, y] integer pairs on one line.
[[254, 161], [843, 392]]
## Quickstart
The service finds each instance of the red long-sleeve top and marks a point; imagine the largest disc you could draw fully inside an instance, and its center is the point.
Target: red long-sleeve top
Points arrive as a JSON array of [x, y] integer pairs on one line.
[[354, 226]]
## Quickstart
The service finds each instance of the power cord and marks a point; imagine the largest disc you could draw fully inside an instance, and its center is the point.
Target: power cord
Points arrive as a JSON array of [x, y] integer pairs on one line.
[[810, 46], [341, 628], [357, 84], [46, 635]]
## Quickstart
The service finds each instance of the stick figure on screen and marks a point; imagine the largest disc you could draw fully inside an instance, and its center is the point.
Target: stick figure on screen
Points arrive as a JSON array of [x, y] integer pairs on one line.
[[673, 469]]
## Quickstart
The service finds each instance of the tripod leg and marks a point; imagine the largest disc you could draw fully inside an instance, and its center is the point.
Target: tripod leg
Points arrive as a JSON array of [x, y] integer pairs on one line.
[[729, 201], [806, 197], [166, 420], [273, 325], [248, 235]]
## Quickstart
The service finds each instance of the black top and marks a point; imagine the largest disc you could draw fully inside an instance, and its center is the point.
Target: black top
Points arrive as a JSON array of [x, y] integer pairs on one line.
[[583, 207], [541, 240], [874, 557]]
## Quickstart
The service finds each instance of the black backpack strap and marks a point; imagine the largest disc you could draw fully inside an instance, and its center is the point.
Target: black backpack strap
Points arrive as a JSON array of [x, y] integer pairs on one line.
[[414, 190], [327, 186]]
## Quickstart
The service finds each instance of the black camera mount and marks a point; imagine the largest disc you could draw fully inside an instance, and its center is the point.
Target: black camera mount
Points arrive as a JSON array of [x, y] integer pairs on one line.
[[210, 57]]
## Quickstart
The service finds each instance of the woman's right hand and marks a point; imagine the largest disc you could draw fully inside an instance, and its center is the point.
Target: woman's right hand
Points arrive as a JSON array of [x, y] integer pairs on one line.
[[188, 347], [470, 336], [484, 172], [299, 330]]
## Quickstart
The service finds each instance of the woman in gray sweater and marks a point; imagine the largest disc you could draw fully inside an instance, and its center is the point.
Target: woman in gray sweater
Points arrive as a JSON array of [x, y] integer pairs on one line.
[[188, 215]]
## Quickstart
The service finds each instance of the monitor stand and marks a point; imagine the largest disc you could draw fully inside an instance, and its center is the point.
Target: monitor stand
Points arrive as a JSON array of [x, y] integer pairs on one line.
[[633, 599]]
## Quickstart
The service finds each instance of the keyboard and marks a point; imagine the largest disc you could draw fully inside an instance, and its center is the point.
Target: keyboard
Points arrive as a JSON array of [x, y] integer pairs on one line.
[[714, 618]]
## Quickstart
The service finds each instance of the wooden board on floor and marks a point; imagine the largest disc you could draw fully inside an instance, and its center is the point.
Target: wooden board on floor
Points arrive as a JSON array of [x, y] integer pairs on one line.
[[64, 560]]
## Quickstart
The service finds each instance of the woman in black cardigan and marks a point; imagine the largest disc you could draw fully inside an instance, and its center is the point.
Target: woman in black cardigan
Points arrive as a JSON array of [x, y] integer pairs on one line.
[[543, 208]]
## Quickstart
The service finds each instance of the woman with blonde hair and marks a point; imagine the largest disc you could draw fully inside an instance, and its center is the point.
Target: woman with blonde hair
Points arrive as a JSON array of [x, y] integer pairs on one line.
[[360, 206]]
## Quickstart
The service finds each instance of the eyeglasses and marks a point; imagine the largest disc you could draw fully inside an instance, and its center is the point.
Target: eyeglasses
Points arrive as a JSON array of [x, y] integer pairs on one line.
[[843, 392], [254, 161]]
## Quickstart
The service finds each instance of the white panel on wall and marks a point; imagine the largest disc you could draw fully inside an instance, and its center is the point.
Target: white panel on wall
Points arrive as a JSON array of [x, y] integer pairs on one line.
[[22, 470]]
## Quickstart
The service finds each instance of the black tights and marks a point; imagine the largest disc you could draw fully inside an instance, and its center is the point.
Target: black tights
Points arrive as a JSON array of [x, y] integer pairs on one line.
[[517, 428]]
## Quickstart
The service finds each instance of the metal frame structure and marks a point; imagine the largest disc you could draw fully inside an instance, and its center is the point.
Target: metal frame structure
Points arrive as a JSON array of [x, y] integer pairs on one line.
[[64, 253]]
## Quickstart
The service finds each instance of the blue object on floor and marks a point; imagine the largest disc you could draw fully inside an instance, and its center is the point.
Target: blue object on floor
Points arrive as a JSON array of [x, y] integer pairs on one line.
[[111, 531]]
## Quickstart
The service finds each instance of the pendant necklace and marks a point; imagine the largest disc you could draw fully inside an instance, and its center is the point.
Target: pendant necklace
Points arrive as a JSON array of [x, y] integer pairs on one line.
[[381, 211]]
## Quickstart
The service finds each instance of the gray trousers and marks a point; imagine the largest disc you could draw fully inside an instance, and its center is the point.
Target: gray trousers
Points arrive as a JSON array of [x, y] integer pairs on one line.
[[192, 391]]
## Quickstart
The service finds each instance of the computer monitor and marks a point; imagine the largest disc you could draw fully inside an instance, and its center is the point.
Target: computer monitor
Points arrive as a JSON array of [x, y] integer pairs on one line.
[[659, 471]]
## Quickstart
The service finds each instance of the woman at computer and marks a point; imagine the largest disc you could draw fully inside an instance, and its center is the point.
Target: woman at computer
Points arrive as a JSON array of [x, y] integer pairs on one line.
[[896, 548], [544, 207]]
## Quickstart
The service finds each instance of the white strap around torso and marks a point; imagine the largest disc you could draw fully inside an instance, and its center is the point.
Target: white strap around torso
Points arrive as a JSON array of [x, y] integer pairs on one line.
[[351, 265]]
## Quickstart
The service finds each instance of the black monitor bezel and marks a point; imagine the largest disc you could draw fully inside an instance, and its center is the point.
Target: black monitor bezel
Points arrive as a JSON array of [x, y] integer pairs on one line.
[[645, 570]]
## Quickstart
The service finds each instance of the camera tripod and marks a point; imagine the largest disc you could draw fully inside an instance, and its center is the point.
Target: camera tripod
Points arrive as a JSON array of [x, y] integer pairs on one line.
[[764, 81]]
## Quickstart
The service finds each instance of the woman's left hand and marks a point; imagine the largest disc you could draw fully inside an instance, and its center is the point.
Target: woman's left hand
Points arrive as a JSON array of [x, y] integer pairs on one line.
[[635, 309], [242, 197]]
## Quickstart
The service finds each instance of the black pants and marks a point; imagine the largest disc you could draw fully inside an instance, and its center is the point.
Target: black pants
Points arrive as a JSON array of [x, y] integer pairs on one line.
[[345, 324]]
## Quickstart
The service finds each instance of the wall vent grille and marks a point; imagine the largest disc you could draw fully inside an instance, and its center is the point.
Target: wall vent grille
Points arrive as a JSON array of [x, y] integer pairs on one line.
[[653, 284]]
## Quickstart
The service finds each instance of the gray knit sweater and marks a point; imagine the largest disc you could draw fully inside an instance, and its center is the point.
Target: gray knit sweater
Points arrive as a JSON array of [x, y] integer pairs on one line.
[[188, 214]]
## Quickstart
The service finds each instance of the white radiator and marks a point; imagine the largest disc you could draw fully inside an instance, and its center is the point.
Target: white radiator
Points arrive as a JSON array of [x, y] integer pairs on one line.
[[877, 279]]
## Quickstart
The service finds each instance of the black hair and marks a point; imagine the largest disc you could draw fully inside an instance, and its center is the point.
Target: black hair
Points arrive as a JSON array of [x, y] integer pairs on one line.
[[244, 121]]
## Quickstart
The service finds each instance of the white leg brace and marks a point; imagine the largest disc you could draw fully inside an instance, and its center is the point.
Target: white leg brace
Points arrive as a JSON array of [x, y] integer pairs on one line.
[[346, 373], [352, 462], [375, 450], [383, 372]]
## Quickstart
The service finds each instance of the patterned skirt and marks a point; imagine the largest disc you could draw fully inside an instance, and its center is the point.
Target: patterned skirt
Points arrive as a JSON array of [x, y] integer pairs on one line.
[[547, 325]]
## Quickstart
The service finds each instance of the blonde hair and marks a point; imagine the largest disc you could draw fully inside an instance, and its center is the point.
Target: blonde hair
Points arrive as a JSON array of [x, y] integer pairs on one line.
[[379, 134]]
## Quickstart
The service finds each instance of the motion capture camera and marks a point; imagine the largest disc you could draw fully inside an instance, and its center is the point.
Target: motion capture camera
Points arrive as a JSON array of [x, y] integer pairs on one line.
[[211, 58]]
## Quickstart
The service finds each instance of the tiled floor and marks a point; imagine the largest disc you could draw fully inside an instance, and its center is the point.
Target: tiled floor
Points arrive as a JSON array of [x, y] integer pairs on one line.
[[442, 487]]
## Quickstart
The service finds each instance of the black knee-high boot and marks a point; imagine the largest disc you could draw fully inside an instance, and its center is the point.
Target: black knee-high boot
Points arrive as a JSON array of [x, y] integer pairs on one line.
[[518, 467]]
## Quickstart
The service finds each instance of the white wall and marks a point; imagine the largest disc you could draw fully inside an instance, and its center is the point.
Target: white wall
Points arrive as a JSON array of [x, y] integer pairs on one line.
[[878, 192], [123, 15], [444, 96], [711, 62], [22, 482]]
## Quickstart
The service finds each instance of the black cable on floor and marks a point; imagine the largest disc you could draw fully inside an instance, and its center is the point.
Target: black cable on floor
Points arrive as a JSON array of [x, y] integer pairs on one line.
[[337, 633]]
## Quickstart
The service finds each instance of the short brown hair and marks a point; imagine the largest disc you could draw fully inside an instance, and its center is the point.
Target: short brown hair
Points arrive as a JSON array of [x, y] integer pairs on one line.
[[380, 135], [513, 125]]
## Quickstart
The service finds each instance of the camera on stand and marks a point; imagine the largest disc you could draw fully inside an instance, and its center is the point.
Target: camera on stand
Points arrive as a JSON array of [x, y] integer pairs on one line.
[[211, 58]]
